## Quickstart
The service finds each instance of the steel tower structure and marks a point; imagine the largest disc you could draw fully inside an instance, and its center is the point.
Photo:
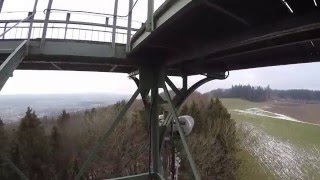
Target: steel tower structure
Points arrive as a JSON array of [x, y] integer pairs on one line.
[[181, 38]]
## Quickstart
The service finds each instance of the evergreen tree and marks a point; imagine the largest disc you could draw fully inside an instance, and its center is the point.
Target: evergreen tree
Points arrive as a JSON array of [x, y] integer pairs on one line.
[[3, 138], [32, 145], [55, 151], [63, 119], [214, 144], [195, 113], [184, 110], [15, 157], [219, 110], [3, 151], [55, 140]]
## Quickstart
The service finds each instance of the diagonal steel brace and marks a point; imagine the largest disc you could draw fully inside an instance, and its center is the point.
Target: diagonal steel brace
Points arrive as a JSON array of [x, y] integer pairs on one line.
[[11, 63], [105, 137], [181, 133]]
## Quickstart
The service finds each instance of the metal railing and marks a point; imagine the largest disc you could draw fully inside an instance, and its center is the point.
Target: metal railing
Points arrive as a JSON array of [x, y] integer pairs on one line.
[[112, 27], [58, 29]]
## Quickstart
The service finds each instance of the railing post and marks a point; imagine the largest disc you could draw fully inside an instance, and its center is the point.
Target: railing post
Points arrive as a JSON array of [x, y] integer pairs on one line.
[[150, 23], [128, 47], [31, 23], [45, 26], [67, 22], [114, 26], [4, 30]]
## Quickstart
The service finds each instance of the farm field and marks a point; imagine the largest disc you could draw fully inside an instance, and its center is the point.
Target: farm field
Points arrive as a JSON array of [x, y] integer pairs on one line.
[[275, 145]]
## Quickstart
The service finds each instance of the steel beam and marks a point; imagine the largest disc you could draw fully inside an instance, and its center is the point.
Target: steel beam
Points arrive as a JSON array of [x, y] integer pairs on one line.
[[1, 4], [143, 176], [173, 87], [144, 94], [224, 11], [31, 23], [45, 26], [14, 167], [178, 100], [105, 137], [181, 133], [11, 63], [184, 83]]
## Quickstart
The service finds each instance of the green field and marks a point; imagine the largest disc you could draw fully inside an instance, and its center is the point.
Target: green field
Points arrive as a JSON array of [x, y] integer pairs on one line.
[[296, 134]]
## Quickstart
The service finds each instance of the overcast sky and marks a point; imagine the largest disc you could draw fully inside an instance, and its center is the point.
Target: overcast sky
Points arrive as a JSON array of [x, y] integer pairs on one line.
[[300, 76]]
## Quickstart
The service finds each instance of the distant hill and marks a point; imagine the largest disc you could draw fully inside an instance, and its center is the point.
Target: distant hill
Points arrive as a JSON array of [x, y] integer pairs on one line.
[[13, 107], [260, 94]]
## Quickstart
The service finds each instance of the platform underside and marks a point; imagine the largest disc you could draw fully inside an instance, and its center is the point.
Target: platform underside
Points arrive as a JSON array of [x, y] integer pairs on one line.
[[204, 36], [71, 55]]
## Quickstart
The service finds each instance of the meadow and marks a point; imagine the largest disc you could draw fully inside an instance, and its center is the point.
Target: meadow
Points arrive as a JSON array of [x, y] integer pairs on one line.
[[275, 148]]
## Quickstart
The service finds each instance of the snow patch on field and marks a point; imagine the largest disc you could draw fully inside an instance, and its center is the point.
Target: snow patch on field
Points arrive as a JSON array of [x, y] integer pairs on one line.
[[261, 112], [282, 159], [264, 113]]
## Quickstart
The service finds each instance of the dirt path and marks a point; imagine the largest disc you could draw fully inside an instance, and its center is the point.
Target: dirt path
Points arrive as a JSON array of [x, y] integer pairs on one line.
[[282, 159]]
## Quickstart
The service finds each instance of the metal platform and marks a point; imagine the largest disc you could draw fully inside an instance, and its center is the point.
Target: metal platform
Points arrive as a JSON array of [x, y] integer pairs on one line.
[[187, 36]]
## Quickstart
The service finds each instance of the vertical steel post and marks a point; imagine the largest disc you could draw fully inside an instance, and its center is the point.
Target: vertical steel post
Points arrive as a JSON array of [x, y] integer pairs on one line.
[[45, 26], [154, 120], [150, 23], [31, 23], [107, 20], [4, 30], [67, 22], [128, 47], [114, 26], [184, 83]]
